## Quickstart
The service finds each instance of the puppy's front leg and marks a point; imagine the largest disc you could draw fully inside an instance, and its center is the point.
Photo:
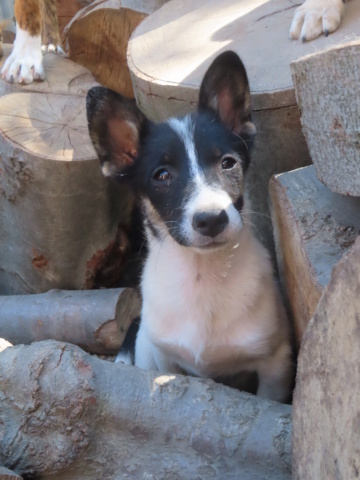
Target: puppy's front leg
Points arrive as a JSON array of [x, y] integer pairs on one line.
[[275, 375], [144, 351], [150, 357], [25, 64]]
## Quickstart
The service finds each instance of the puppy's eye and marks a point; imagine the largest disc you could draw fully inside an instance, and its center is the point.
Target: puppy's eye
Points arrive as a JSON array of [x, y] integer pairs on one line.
[[228, 163], [162, 175]]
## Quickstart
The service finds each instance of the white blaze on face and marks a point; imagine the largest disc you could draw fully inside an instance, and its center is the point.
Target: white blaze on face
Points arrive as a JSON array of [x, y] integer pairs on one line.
[[184, 128], [205, 197], [24, 65]]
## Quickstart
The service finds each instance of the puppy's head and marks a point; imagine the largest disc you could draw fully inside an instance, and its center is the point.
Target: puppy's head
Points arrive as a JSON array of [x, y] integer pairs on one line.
[[187, 172]]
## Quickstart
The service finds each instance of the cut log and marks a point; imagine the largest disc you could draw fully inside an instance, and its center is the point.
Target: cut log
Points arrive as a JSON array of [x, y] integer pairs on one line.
[[97, 38], [313, 228], [96, 320], [61, 220], [326, 435], [6, 474], [66, 415], [328, 93], [66, 10]]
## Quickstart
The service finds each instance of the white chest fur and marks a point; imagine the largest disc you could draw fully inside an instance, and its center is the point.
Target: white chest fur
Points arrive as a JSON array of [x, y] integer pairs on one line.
[[210, 313]]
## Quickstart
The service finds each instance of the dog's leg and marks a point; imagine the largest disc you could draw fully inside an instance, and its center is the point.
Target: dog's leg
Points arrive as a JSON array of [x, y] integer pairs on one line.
[[24, 65], [149, 357], [315, 17], [50, 29], [144, 351], [275, 375]]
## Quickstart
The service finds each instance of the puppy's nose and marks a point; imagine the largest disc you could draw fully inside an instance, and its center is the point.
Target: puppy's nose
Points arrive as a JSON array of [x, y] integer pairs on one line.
[[211, 223]]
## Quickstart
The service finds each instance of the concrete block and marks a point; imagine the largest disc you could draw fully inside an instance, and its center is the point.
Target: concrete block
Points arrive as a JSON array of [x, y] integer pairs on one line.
[[326, 426], [313, 228]]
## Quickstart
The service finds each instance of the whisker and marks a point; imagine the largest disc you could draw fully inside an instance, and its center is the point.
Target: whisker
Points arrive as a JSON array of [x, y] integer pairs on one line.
[[252, 212], [252, 225]]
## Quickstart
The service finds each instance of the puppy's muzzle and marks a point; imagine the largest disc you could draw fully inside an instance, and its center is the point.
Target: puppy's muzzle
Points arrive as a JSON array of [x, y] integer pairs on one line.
[[210, 224]]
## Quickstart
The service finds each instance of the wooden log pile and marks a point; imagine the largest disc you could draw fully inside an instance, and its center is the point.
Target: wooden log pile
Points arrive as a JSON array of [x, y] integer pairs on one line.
[[66, 414]]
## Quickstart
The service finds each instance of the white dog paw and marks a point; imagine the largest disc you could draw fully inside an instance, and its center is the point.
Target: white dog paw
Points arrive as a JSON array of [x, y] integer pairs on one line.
[[124, 358], [25, 64], [315, 17]]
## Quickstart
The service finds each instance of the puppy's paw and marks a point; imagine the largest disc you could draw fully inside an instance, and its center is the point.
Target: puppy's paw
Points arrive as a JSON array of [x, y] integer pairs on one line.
[[25, 64], [124, 358], [315, 17]]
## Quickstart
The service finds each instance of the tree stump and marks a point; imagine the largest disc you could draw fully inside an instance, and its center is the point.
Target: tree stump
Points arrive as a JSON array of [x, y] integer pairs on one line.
[[65, 415], [328, 94], [98, 35], [313, 228], [61, 220]]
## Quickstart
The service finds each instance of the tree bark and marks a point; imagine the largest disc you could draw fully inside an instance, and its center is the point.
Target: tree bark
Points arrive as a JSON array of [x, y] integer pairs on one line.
[[96, 320], [98, 35], [68, 415]]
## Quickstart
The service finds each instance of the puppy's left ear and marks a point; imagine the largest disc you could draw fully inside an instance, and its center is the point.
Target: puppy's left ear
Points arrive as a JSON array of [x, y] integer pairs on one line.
[[115, 126], [225, 90]]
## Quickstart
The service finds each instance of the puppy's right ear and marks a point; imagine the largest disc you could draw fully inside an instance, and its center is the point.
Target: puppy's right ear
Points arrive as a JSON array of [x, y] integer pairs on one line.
[[115, 124]]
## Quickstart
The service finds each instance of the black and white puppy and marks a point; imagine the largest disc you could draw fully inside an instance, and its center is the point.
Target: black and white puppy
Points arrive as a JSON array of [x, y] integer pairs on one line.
[[210, 304]]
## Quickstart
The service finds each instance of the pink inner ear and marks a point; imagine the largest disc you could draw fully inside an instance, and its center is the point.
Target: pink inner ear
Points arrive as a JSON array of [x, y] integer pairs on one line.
[[124, 138], [227, 112]]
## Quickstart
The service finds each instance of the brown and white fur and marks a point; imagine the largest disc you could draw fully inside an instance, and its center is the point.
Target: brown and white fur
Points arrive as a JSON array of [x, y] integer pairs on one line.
[[36, 31], [211, 307]]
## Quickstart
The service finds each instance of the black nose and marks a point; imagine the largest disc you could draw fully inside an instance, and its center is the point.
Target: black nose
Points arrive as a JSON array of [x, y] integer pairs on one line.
[[211, 223]]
